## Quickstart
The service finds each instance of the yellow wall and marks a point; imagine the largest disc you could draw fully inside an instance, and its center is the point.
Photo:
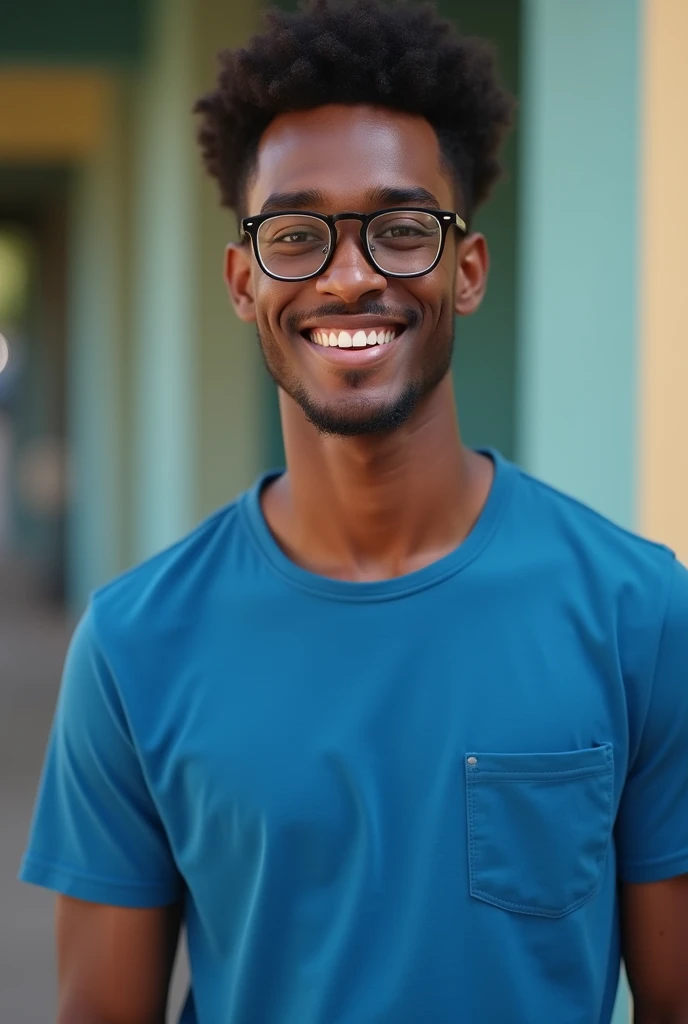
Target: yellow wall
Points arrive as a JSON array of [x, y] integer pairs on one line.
[[663, 370]]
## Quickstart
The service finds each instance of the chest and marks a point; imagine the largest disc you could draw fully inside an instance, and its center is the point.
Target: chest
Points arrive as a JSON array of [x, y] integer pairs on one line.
[[295, 722]]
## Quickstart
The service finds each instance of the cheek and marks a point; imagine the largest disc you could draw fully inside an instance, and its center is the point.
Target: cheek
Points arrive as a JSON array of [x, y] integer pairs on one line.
[[435, 294], [272, 298]]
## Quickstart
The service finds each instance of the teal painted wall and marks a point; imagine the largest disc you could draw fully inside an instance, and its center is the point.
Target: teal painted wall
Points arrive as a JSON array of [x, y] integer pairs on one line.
[[579, 248]]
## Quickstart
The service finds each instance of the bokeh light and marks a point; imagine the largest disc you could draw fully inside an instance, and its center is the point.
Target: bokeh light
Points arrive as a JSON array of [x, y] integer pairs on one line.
[[4, 352]]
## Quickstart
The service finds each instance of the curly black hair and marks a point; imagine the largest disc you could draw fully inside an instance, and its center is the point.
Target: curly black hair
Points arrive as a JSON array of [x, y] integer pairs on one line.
[[397, 55]]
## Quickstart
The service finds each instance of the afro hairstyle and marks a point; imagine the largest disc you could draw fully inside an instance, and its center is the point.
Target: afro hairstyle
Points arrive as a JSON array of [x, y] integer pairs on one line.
[[398, 55]]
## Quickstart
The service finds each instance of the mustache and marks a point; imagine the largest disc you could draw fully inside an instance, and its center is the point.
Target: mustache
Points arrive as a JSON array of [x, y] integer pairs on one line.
[[406, 313]]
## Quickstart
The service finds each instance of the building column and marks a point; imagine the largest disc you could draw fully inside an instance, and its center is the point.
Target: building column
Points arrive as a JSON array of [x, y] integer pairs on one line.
[[162, 376], [96, 327], [198, 436], [578, 243]]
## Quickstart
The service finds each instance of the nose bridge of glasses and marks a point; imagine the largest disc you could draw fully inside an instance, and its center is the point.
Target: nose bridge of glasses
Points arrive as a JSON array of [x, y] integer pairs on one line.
[[349, 236], [342, 231]]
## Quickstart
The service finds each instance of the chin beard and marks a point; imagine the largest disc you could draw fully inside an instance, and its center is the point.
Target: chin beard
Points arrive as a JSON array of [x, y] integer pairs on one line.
[[355, 417]]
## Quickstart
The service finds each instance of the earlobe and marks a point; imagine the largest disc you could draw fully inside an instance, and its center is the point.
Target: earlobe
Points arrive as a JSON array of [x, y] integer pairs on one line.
[[239, 282], [472, 269]]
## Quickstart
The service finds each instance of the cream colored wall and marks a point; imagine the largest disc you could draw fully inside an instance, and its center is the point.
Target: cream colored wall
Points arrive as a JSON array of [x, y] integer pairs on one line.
[[663, 372]]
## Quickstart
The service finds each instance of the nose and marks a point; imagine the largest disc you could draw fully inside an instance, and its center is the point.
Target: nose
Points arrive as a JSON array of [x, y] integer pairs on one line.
[[349, 275]]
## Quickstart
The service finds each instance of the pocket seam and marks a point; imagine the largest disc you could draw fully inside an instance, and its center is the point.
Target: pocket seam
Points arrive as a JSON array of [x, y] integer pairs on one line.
[[606, 770]]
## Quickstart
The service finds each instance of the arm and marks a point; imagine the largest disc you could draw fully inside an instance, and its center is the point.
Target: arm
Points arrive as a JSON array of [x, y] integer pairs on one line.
[[99, 841], [114, 963], [655, 945], [652, 833]]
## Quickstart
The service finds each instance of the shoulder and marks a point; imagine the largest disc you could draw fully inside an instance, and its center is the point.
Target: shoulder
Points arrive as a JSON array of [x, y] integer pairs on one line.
[[613, 582], [585, 537], [163, 599]]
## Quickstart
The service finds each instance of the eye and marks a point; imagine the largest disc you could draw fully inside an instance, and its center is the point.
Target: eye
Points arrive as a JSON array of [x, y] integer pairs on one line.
[[296, 237], [402, 231], [403, 228]]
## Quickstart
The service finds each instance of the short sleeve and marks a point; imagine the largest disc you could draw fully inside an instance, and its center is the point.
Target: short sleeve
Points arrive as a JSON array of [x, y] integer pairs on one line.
[[96, 834], [652, 825]]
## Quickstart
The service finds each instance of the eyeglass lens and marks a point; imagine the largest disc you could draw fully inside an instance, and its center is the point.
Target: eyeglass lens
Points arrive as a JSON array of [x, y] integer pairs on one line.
[[400, 242]]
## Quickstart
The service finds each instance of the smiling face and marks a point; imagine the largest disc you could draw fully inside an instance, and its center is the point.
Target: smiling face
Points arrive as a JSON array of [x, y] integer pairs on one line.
[[357, 350]]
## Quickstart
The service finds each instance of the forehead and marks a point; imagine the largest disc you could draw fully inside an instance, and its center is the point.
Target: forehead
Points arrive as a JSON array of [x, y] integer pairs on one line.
[[348, 152]]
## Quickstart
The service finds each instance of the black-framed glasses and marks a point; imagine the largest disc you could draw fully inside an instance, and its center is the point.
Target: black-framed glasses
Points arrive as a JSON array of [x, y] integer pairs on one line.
[[295, 245]]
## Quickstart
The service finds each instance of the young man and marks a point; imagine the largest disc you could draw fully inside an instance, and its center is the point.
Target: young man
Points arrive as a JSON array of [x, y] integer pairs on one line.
[[401, 734]]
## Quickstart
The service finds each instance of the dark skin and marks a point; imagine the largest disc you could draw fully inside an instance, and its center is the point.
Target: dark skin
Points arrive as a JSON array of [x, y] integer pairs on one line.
[[395, 501]]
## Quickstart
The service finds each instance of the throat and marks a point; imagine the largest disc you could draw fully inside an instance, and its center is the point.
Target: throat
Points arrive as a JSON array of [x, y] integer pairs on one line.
[[355, 512]]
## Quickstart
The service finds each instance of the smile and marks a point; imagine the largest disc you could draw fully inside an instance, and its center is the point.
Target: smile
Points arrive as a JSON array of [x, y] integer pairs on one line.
[[353, 339]]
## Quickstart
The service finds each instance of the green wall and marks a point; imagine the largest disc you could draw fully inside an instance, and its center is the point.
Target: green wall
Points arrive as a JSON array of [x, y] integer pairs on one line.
[[485, 354], [72, 31]]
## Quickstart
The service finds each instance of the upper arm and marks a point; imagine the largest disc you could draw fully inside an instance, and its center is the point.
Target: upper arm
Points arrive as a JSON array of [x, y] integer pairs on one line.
[[655, 948], [652, 831], [652, 822], [114, 963], [97, 834]]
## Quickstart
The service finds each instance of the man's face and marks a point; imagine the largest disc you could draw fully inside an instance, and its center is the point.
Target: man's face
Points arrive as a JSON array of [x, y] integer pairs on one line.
[[352, 158]]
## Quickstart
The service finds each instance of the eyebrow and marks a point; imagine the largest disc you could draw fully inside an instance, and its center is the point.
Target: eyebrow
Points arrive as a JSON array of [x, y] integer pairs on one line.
[[301, 199], [384, 196], [389, 196]]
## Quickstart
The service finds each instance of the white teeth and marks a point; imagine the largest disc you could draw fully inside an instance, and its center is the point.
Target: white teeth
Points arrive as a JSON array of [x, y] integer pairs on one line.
[[347, 339]]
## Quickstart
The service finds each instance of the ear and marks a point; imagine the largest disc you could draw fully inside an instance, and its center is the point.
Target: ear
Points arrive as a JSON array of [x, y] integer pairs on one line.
[[472, 267], [239, 281]]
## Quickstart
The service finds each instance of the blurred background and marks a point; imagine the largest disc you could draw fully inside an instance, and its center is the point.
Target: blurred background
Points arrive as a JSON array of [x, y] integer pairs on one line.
[[132, 402]]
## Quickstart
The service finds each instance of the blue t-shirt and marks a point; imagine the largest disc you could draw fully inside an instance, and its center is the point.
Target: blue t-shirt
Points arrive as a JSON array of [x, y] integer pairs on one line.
[[395, 802]]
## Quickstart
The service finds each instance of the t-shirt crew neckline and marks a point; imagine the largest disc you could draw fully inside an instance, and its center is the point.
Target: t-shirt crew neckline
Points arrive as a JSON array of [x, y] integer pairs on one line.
[[503, 483]]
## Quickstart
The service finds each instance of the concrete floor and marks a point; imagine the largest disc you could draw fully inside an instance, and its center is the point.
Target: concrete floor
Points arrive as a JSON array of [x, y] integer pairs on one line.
[[33, 641]]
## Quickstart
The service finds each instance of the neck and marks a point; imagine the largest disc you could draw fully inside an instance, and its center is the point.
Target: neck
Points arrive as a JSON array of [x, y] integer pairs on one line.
[[365, 508]]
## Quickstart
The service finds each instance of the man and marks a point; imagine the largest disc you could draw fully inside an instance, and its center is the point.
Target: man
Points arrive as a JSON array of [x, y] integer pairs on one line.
[[401, 734]]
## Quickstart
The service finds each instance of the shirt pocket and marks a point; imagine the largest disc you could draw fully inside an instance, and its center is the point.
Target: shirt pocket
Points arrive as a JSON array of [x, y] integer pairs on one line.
[[539, 828]]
